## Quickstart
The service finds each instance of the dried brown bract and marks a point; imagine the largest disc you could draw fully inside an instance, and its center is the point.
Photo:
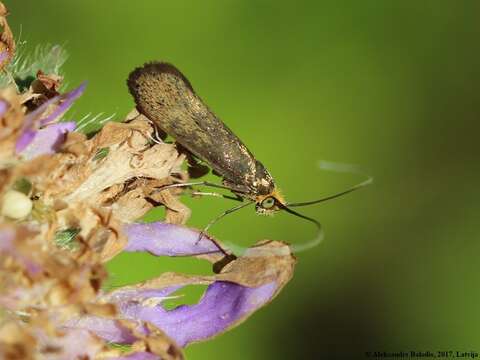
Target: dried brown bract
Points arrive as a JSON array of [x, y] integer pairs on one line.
[[7, 43]]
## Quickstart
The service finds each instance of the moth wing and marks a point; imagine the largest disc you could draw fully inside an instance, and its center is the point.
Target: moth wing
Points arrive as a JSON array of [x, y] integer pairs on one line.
[[164, 95]]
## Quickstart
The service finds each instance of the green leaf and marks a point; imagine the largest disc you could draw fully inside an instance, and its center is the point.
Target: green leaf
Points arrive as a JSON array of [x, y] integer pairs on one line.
[[101, 153], [23, 185], [65, 239]]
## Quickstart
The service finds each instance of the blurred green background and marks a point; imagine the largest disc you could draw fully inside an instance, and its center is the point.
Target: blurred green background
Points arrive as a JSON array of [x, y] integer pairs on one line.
[[392, 86]]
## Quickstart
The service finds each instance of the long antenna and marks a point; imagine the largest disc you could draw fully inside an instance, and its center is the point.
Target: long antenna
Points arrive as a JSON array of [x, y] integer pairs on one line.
[[309, 244], [344, 192], [319, 226]]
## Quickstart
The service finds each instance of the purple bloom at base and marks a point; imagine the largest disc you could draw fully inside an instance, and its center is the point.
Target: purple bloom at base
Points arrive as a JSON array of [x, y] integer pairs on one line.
[[223, 304], [226, 302]]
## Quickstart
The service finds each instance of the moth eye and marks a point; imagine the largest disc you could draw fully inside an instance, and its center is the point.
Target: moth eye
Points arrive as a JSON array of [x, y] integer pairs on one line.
[[268, 203]]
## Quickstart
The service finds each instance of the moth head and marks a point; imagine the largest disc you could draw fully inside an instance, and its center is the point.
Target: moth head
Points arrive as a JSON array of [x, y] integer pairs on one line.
[[270, 203]]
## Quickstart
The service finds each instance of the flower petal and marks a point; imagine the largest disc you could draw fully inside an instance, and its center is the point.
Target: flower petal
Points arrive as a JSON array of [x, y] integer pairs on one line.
[[47, 140], [33, 121], [160, 238], [24, 139], [67, 101], [223, 304], [107, 329]]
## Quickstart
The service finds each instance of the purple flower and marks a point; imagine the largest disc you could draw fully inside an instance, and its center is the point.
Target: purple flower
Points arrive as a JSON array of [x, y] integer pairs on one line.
[[34, 123], [229, 299], [163, 239], [46, 140], [65, 102]]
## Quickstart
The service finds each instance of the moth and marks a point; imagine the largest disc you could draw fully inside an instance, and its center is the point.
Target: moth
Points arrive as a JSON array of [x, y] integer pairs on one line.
[[166, 97]]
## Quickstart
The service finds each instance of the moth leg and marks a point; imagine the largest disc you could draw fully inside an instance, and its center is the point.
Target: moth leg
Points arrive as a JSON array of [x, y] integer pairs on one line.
[[200, 193], [219, 247], [196, 183], [206, 183], [229, 211]]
